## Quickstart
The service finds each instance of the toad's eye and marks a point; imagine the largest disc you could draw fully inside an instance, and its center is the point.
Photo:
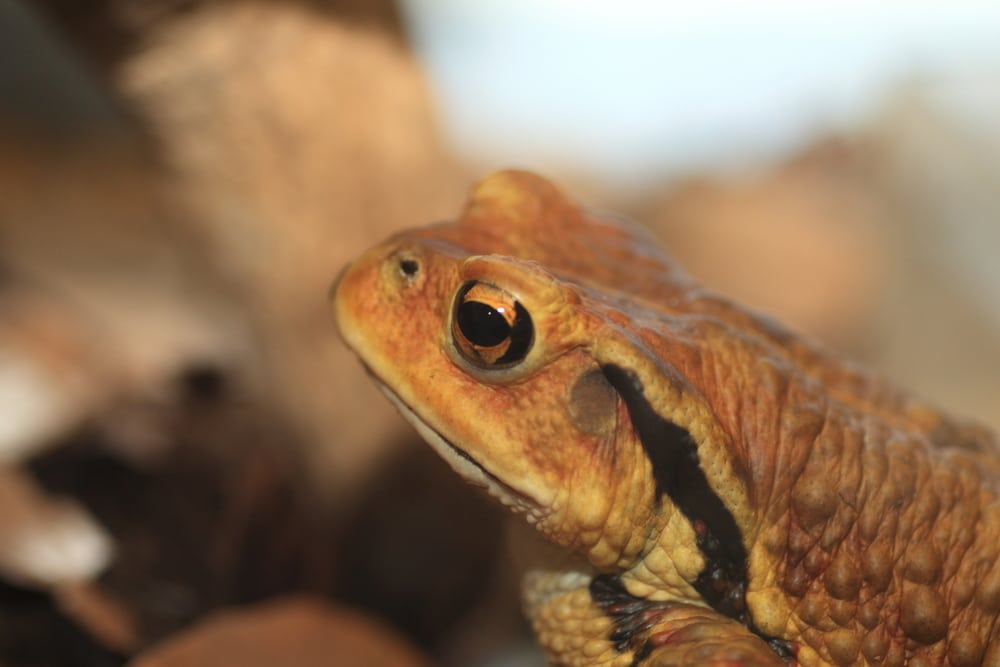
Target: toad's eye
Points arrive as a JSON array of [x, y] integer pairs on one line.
[[491, 329]]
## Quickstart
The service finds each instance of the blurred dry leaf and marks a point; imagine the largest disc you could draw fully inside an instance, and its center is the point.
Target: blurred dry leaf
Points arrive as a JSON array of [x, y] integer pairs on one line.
[[292, 631]]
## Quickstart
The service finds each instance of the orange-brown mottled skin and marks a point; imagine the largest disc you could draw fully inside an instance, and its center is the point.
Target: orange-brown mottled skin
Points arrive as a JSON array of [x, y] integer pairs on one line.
[[869, 520]]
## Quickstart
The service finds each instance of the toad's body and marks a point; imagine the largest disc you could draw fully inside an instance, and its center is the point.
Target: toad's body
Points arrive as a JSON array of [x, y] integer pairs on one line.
[[736, 495]]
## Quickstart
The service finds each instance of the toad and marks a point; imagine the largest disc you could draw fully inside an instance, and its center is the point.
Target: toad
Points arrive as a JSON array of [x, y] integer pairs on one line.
[[733, 494]]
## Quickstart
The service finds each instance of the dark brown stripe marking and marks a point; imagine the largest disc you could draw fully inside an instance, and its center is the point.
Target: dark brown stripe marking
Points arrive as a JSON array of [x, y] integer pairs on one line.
[[674, 457]]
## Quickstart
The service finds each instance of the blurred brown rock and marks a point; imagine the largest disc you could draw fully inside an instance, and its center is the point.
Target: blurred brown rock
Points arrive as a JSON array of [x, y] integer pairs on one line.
[[292, 631]]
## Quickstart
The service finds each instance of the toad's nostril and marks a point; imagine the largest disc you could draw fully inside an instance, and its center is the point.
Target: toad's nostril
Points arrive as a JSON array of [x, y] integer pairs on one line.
[[409, 267]]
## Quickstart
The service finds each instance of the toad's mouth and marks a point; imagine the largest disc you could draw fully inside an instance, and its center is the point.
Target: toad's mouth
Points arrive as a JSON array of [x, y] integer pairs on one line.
[[460, 460]]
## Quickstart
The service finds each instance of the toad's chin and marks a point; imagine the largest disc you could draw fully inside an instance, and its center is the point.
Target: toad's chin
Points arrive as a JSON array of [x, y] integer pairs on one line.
[[462, 462]]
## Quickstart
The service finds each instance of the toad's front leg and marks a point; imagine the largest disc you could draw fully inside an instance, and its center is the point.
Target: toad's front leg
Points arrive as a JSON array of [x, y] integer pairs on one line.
[[585, 619]]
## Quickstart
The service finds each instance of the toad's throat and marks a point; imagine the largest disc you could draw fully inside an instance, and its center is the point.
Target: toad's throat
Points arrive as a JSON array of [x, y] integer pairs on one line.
[[460, 460]]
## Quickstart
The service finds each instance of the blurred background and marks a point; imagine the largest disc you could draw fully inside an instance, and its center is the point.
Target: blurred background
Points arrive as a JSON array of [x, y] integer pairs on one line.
[[193, 470]]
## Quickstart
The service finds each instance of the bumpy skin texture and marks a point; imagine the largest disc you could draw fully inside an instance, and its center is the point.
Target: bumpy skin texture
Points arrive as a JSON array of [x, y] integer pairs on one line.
[[733, 494]]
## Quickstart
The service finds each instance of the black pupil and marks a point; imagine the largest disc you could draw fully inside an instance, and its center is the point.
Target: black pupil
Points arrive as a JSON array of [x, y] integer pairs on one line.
[[481, 324]]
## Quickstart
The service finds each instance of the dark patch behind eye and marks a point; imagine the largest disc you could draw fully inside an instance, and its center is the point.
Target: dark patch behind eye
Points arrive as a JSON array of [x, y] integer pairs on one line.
[[593, 403]]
